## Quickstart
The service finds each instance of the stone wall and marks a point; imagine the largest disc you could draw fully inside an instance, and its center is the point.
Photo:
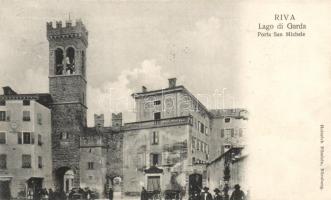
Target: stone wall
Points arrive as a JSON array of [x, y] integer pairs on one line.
[[66, 89], [67, 118]]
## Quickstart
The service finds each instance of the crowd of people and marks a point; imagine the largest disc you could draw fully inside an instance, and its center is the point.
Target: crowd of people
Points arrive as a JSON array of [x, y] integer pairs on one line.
[[75, 193], [237, 194]]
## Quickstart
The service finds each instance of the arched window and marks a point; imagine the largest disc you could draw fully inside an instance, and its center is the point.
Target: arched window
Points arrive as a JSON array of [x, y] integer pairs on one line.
[[58, 61], [70, 60]]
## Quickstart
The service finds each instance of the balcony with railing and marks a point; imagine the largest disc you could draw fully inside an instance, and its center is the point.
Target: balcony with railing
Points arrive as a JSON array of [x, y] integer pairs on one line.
[[175, 121]]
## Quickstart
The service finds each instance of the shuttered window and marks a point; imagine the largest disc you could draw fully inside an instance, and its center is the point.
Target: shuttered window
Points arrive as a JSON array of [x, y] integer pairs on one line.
[[3, 138], [26, 161], [2, 115], [155, 138], [26, 116], [3, 161]]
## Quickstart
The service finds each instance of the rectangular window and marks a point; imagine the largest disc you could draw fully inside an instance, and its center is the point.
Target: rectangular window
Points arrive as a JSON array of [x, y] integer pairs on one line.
[[26, 102], [198, 145], [155, 159], [2, 138], [157, 116], [155, 137], [157, 102], [227, 120], [64, 136], [2, 115], [39, 119], [90, 165], [193, 161], [26, 161], [232, 132], [3, 161], [202, 128], [39, 140], [28, 138], [2, 102], [26, 116], [40, 162]]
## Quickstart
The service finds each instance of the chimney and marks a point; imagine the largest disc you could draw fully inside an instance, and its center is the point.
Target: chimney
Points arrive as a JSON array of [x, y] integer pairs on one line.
[[99, 120], [116, 120], [144, 89], [8, 91], [172, 82]]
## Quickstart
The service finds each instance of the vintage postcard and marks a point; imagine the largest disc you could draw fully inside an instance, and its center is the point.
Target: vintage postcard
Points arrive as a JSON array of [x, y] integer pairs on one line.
[[165, 100]]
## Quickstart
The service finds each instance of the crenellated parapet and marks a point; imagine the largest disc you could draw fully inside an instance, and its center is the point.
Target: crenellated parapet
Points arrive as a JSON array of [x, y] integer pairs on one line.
[[70, 30], [117, 120]]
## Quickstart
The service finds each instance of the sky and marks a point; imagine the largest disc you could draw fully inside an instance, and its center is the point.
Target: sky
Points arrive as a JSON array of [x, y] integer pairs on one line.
[[130, 44], [211, 47]]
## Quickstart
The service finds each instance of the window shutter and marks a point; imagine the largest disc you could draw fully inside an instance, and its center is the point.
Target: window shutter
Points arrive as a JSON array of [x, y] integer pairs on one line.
[[32, 138], [151, 159], [19, 138], [157, 137], [151, 137], [159, 161], [8, 115]]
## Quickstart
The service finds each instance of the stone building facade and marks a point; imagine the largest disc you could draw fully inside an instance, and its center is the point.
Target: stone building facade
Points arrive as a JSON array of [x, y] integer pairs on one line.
[[25, 135], [167, 149], [67, 87]]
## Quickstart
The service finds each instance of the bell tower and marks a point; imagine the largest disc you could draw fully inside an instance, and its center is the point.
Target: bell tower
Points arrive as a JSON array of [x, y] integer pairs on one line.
[[67, 86]]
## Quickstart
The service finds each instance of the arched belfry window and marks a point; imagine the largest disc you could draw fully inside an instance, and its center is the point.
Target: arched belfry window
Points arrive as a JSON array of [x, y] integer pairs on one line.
[[70, 61], [58, 61]]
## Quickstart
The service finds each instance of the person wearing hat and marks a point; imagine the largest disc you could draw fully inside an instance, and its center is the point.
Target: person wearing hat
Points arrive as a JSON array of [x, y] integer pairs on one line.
[[217, 196], [205, 195], [237, 194]]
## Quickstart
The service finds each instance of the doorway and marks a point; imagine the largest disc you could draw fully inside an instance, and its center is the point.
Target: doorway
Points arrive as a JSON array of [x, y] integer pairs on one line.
[[195, 183], [5, 190]]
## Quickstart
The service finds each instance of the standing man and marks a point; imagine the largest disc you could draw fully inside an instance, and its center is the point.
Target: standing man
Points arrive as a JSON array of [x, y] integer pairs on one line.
[[237, 194], [217, 196], [205, 195], [143, 195], [111, 194]]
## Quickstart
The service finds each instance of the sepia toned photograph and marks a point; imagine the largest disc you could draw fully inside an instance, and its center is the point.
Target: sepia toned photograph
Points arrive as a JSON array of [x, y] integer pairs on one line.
[[164, 100]]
